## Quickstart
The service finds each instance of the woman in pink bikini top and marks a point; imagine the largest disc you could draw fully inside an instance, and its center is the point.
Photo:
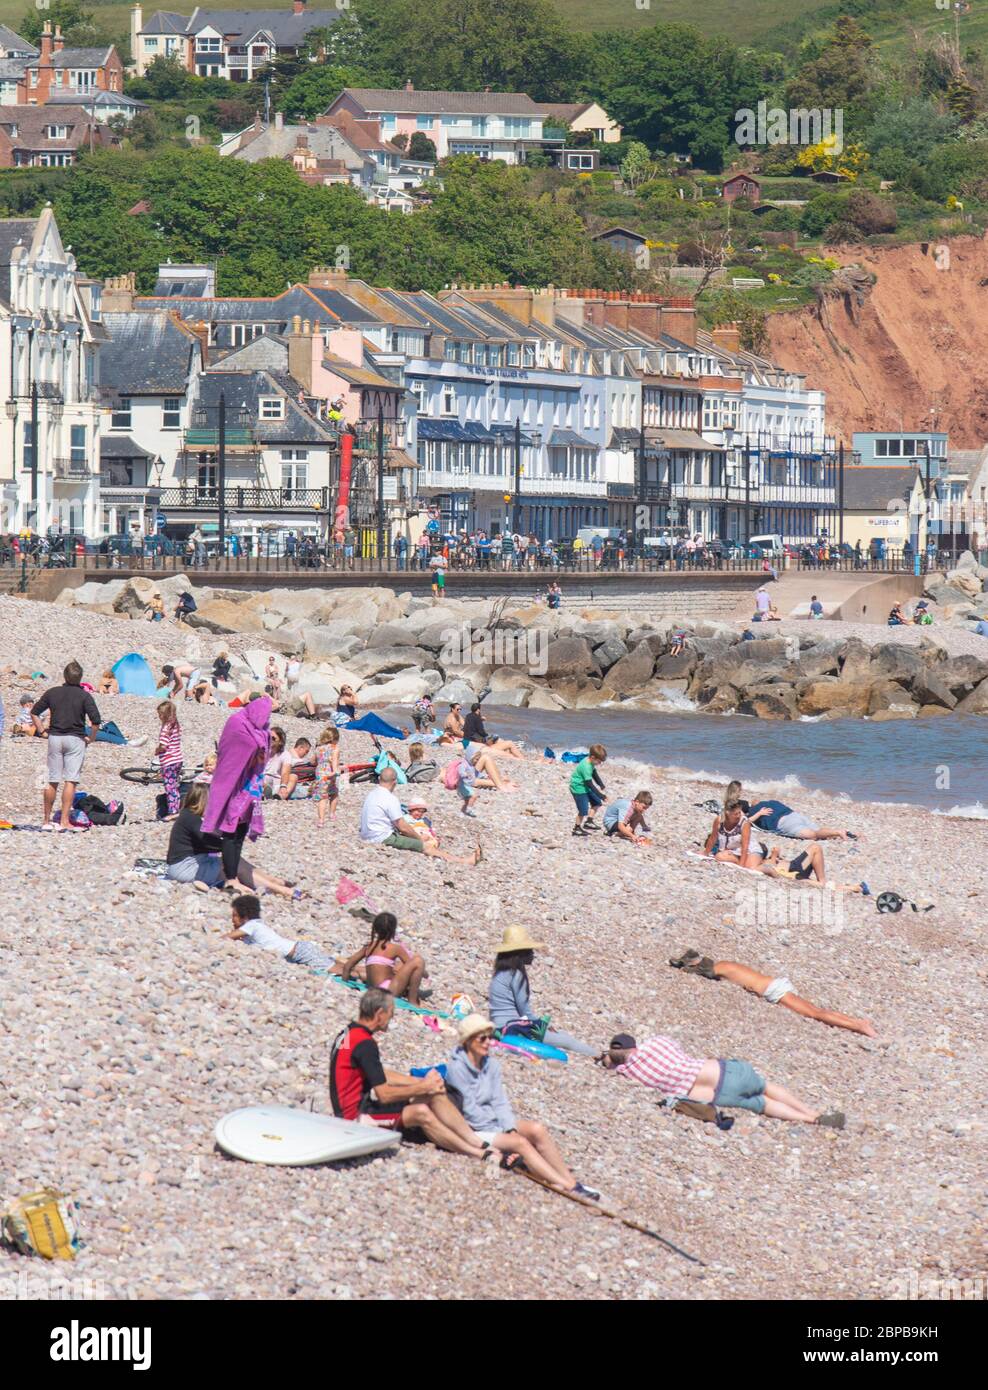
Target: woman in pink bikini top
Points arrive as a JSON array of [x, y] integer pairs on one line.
[[388, 962]]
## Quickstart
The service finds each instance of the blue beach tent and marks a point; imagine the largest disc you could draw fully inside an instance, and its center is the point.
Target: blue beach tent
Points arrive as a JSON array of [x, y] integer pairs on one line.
[[134, 676]]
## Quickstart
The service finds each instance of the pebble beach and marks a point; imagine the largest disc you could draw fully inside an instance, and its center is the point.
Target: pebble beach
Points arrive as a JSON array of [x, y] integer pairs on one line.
[[129, 1025]]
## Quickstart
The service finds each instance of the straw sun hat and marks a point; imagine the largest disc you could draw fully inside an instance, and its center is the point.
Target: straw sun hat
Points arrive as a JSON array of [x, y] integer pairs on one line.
[[516, 938]]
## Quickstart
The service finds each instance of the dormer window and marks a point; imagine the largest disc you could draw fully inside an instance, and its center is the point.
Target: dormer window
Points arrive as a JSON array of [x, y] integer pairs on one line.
[[272, 408], [56, 132]]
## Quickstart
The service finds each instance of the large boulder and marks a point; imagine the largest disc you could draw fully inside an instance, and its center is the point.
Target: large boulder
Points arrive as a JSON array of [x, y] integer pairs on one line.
[[963, 673], [542, 698], [976, 702], [402, 689], [889, 695], [769, 702], [135, 596], [596, 630], [627, 676], [930, 688], [944, 594], [719, 699], [609, 652], [456, 692], [854, 659], [392, 635], [579, 692], [838, 696], [679, 667], [897, 662], [569, 657], [292, 605], [966, 580], [908, 711], [221, 616], [377, 661]]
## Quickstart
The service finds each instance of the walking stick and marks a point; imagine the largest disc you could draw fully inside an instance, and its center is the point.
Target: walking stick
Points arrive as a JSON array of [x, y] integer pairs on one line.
[[613, 1215]]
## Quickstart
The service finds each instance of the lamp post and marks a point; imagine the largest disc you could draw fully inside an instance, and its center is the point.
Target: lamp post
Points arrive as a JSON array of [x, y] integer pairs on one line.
[[747, 490], [516, 509], [642, 530], [380, 482]]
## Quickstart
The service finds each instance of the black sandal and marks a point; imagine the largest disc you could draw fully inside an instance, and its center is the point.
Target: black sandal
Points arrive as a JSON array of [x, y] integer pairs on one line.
[[512, 1163], [687, 958]]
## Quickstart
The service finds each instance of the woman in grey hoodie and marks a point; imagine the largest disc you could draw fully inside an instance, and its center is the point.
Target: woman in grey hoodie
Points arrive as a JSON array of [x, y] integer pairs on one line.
[[475, 1076]]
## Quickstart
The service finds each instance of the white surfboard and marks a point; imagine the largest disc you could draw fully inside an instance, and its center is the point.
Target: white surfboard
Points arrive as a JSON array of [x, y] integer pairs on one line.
[[280, 1134]]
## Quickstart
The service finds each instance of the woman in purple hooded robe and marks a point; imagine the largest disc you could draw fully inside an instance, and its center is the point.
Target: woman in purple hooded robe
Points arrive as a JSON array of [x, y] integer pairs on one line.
[[233, 810]]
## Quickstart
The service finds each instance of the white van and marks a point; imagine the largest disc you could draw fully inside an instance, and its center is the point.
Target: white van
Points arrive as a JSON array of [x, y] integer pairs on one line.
[[770, 545]]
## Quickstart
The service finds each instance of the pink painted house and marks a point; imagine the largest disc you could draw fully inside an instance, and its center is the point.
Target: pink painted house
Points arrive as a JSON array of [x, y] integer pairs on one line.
[[491, 125]]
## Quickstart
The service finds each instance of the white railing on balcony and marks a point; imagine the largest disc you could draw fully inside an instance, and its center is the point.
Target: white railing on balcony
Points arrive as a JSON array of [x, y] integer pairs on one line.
[[505, 482]]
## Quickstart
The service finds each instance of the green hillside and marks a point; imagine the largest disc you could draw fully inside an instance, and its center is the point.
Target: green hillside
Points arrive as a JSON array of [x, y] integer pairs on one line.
[[748, 21]]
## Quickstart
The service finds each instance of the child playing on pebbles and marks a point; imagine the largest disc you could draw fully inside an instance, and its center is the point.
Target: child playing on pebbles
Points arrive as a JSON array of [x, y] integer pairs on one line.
[[587, 788], [169, 755], [245, 913], [326, 785]]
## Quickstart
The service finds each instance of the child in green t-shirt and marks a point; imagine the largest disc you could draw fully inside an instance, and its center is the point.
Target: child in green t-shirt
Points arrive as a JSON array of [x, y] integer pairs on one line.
[[587, 789]]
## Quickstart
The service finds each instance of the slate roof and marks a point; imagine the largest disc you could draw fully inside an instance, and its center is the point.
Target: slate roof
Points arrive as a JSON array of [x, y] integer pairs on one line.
[[564, 111], [273, 143], [12, 231], [95, 100], [244, 389], [192, 288], [868, 489], [286, 28], [32, 121], [13, 69], [147, 354], [166, 22], [10, 40], [397, 99], [77, 58], [121, 446]]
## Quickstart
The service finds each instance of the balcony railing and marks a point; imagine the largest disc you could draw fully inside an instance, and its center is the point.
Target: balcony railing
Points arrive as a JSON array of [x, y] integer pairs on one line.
[[71, 470], [247, 497], [207, 438]]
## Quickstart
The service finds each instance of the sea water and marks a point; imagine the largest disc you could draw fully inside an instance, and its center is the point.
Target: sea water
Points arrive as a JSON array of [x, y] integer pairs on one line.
[[939, 762]]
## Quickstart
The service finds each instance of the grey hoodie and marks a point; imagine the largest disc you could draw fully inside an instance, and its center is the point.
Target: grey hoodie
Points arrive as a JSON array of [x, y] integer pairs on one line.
[[481, 1090]]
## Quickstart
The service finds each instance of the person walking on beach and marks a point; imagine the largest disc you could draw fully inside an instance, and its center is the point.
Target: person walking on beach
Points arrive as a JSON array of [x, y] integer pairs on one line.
[[233, 810], [664, 1065], [69, 706]]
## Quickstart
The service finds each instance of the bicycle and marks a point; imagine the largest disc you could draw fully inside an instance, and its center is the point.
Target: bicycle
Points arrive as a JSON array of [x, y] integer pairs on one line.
[[150, 775]]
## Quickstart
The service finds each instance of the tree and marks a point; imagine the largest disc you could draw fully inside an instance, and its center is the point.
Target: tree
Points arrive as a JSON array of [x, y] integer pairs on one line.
[[637, 165], [165, 79], [912, 128], [315, 88], [676, 90], [66, 14], [707, 251], [508, 45], [421, 147], [730, 306], [843, 76]]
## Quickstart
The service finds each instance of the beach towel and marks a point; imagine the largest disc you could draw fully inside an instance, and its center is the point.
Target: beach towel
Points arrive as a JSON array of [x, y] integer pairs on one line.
[[241, 754], [373, 724], [134, 676]]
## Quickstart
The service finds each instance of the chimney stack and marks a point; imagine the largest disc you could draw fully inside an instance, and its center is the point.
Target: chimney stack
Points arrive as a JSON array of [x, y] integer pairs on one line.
[[279, 120], [58, 43], [727, 336], [118, 293], [409, 86], [300, 352], [46, 44]]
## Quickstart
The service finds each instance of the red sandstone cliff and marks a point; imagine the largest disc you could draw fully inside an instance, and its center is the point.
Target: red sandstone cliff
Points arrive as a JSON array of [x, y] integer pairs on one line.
[[918, 349]]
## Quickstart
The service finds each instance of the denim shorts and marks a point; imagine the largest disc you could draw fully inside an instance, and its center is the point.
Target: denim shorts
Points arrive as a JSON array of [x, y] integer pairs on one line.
[[740, 1086]]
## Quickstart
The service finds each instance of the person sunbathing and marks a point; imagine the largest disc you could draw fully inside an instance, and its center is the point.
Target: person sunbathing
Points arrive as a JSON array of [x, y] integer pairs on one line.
[[245, 915], [780, 819], [388, 963], [774, 989], [108, 684], [662, 1064], [485, 765], [808, 867], [730, 839]]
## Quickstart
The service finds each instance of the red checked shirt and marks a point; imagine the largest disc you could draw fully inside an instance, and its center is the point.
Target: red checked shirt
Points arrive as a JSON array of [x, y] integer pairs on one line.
[[662, 1064]]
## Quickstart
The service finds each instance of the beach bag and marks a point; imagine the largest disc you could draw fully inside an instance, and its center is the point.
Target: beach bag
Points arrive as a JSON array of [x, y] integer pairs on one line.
[[423, 772], [535, 1028], [99, 812], [42, 1223], [451, 777]]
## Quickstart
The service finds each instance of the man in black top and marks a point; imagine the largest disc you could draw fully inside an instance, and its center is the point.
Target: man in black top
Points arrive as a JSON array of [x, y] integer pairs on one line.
[[69, 706], [473, 726]]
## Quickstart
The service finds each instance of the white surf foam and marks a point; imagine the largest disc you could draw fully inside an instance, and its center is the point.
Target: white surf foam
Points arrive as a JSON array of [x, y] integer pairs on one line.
[[973, 812]]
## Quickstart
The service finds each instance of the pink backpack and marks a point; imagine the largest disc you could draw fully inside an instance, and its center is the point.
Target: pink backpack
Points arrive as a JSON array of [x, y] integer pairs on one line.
[[451, 777]]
